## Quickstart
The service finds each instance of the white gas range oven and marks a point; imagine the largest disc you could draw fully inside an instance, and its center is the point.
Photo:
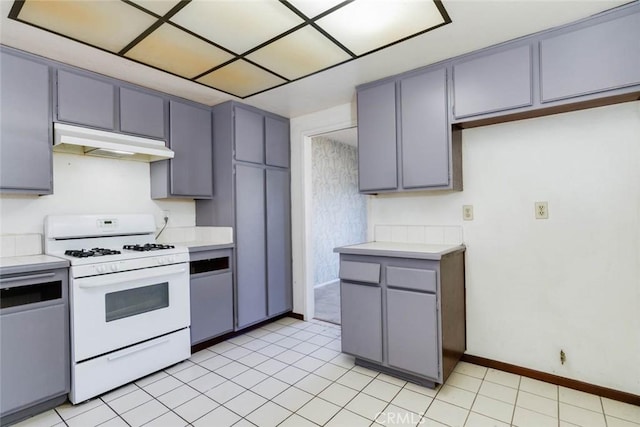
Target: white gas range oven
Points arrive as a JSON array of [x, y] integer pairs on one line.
[[129, 299]]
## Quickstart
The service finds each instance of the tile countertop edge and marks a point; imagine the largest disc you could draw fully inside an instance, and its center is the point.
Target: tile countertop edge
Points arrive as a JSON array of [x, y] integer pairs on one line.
[[400, 250], [30, 263]]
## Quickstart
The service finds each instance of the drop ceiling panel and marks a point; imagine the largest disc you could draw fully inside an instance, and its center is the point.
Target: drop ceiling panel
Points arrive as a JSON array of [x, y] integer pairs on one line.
[[366, 25], [178, 52], [312, 8], [238, 25], [300, 53], [106, 24], [241, 78], [159, 7]]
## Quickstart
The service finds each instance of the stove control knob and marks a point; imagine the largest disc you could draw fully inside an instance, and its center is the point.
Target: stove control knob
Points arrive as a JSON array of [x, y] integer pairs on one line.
[[101, 268], [171, 259], [114, 267]]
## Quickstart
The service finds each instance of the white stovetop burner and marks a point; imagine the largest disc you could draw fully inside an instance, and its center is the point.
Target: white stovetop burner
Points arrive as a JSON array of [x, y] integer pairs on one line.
[[64, 233]]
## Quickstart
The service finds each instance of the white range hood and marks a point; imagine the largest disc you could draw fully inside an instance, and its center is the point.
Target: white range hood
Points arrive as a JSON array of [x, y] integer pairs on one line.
[[79, 140]]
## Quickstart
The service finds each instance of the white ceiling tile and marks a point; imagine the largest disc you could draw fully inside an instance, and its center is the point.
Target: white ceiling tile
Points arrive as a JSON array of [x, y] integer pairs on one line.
[[105, 24], [159, 7], [300, 53], [365, 25], [241, 78], [237, 25], [312, 8], [176, 51]]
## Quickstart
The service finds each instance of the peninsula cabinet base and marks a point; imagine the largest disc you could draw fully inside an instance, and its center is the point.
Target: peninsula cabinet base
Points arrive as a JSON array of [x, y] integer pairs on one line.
[[396, 373]]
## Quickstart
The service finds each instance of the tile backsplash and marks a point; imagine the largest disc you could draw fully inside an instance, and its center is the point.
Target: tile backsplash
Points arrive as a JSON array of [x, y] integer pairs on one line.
[[215, 235], [428, 234], [20, 244]]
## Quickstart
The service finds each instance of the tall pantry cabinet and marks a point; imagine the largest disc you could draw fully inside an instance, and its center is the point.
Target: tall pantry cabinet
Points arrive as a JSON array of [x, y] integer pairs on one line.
[[252, 194]]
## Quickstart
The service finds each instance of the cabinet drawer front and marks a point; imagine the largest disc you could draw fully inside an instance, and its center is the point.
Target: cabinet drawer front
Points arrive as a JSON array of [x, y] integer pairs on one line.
[[412, 278], [360, 271]]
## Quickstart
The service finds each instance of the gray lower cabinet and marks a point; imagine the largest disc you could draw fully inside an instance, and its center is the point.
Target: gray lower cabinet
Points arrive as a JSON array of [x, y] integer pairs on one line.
[[493, 82], [596, 58], [25, 126], [34, 347], [413, 314], [142, 113], [85, 100], [253, 196], [402, 315], [361, 328], [189, 173], [211, 294], [404, 137]]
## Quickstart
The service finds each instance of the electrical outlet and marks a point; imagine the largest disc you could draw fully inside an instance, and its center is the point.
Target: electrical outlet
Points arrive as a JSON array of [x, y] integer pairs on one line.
[[542, 210], [467, 212]]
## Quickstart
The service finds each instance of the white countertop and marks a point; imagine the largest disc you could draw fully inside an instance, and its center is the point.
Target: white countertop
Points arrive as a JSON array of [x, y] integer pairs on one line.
[[405, 250], [31, 263]]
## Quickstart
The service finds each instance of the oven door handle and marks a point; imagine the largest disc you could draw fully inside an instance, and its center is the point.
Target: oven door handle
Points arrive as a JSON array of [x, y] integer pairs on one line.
[[138, 348], [100, 281]]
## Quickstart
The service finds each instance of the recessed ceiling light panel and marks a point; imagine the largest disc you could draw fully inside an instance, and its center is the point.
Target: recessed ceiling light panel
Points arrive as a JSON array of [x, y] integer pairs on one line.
[[313, 8], [159, 7], [366, 25], [109, 25], [241, 78], [237, 25], [178, 52], [300, 53]]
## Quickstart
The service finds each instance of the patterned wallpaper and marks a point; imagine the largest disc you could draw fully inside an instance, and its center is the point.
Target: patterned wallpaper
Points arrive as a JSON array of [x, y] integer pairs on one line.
[[339, 211]]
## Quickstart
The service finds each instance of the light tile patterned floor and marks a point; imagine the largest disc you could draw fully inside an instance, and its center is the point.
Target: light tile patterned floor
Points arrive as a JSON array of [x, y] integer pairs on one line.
[[290, 373]]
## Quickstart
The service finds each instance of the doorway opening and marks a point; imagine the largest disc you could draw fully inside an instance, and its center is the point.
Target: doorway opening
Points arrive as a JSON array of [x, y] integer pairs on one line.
[[339, 214]]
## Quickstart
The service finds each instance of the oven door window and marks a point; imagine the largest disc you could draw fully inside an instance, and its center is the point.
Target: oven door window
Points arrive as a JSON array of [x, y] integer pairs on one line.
[[132, 302]]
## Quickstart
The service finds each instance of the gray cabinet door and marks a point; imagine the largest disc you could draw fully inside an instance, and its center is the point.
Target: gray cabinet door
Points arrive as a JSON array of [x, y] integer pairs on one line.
[[278, 242], [494, 82], [276, 142], [249, 136], [85, 101], [425, 130], [361, 317], [142, 113], [190, 139], [412, 332], [597, 58], [35, 356], [377, 158], [211, 306], [25, 137], [251, 292]]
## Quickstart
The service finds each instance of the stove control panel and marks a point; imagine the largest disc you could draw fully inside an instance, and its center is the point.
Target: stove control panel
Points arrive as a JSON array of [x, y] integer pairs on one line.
[[112, 267]]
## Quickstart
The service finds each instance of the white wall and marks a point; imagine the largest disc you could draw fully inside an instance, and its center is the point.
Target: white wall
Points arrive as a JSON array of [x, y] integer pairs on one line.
[[571, 282], [85, 184]]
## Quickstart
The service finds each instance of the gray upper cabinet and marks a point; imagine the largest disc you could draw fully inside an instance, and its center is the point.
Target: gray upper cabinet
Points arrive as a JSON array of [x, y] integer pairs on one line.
[[190, 139], [425, 130], [249, 136], [597, 58], [276, 142], [25, 126], [142, 113], [404, 137], [85, 101], [493, 82], [377, 158]]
